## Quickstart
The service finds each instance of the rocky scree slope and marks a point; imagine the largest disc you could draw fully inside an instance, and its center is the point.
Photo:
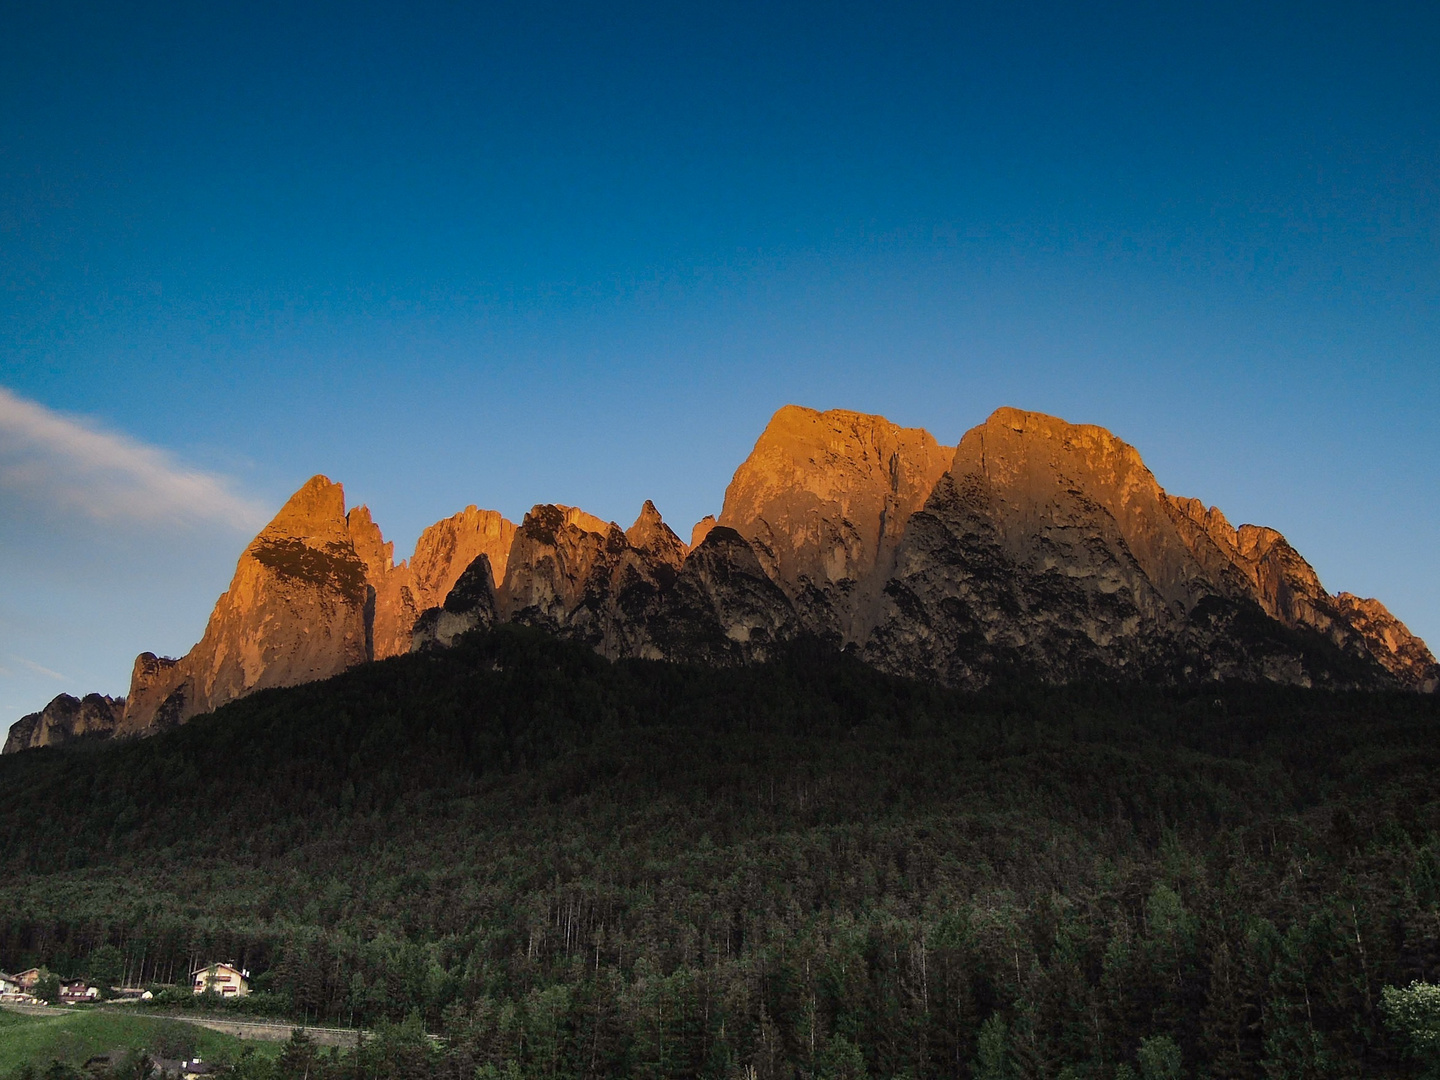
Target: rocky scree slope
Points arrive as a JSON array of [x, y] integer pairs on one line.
[[1033, 548]]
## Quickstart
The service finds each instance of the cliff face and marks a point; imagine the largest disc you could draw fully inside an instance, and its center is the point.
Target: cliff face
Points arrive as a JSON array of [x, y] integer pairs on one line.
[[315, 593], [470, 605], [64, 719], [1049, 548], [639, 592], [299, 608], [823, 499], [1402, 653], [574, 574], [442, 553], [1034, 547]]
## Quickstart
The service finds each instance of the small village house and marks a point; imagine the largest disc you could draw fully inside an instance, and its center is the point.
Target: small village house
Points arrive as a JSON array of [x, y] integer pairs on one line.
[[28, 978], [223, 979], [79, 993], [11, 992]]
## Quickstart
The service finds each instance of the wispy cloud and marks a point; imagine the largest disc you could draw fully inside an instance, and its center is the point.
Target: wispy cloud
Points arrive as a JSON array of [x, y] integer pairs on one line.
[[73, 461], [38, 669]]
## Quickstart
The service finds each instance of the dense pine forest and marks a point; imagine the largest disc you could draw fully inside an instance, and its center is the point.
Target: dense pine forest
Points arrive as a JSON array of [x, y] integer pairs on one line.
[[571, 868]]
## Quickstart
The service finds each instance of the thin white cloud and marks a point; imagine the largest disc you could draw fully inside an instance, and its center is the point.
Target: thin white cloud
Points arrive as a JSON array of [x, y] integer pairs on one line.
[[39, 669], [74, 462]]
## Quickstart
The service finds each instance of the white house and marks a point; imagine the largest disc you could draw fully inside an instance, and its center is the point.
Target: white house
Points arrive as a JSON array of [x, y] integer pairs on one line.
[[15, 989], [223, 979]]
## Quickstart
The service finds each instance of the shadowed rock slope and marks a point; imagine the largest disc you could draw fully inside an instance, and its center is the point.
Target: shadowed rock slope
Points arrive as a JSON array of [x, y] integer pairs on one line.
[[64, 719], [1034, 548]]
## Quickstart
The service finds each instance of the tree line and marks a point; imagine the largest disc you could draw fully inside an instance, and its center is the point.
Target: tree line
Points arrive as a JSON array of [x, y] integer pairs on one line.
[[566, 867]]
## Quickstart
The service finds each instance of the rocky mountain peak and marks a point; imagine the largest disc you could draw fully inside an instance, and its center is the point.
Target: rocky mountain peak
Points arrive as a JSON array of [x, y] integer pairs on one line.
[[316, 513], [1033, 454], [558, 552], [701, 530], [374, 550], [573, 515], [645, 524], [66, 718], [299, 608], [650, 534], [1059, 493], [824, 497]]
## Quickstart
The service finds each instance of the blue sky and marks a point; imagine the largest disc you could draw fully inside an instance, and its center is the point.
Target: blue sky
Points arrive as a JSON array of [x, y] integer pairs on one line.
[[503, 254]]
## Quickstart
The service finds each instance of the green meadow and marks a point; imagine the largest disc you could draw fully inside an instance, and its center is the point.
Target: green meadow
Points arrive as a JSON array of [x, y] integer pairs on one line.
[[77, 1036]]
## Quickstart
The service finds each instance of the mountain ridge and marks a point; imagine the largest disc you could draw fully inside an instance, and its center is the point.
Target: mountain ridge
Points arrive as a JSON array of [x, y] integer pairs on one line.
[[1032, 545]]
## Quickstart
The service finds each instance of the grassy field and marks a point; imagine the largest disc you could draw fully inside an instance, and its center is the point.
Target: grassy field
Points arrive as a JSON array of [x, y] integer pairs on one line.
[[77, 1036]]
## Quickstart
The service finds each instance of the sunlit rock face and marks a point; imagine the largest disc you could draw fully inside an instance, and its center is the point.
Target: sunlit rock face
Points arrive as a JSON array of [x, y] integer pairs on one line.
[[1034, 547], [442, 554], [823, 499], [1260, 563], [561, 562], [701, 530], [315, 593], [65, 719], [643, 592], [587, 579], [446, 549], [1049, 549], [1402, 653], [1046, 547], [298, 609]]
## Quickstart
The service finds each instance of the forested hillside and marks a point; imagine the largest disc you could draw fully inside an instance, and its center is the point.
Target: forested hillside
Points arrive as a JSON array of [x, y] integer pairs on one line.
[[578, 868]]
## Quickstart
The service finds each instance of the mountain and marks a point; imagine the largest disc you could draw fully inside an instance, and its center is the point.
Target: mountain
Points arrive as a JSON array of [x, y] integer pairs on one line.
[[297, 610], [315, 593], [441, 555], [64, 719], [642, 591], [824, 499], [1033, 548], [1050, 548], [1403, 654]]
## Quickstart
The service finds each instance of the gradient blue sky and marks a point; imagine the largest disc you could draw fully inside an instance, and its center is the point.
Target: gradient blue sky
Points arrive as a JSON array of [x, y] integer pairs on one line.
[[505, 254]]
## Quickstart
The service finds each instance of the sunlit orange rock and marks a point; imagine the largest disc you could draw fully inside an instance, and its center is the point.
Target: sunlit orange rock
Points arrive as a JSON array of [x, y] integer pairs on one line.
[[823, 499], [315, 593], [1402, 653], [1034, 547], [1050, 548], [295, 611], [701, 530]]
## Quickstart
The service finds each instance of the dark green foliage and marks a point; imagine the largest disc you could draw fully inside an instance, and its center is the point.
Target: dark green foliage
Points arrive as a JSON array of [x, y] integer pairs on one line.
[[299, 1058], [47, 987], [175, 1040], [106, 967], [335, 566], [576, 868], [133, 1065]]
